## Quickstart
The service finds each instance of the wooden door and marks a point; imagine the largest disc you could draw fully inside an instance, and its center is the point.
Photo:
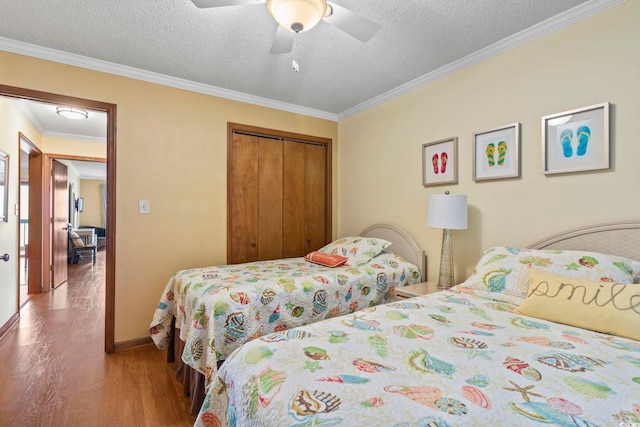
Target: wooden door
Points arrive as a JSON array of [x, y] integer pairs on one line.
[[304, 198], [255, 199], [278, 194], [294, 196], [59, 223], [269, 199], [315, 208], [242, 244]]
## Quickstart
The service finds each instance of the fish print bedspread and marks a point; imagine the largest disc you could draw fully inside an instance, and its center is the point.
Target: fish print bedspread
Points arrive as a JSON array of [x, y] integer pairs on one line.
[[445, 359], [217, 309]]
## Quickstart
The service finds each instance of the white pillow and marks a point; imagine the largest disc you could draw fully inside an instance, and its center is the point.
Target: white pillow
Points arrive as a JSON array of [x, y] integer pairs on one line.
[[503, 273], [76, 240], [358, 250]]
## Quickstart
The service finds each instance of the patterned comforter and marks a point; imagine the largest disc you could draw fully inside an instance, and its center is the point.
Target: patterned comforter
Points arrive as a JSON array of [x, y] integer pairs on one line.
[[217, 309], [444, 359]]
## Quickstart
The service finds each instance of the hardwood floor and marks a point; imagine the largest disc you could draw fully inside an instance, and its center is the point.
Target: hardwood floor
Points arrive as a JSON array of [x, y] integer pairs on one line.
[[55, 372]]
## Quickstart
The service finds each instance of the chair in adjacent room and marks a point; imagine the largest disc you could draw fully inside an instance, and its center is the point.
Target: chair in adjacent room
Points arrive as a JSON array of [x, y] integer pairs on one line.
[[80, 250]]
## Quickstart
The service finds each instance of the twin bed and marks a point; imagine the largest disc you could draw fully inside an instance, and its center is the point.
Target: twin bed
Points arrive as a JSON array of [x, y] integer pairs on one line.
[[521, 342], [206, 313]]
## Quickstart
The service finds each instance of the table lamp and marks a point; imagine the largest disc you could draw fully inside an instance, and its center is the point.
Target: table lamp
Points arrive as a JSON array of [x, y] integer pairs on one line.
[[449, 212]]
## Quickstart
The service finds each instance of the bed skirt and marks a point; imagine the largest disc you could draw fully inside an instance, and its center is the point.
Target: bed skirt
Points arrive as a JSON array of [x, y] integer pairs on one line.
[[192, 381]]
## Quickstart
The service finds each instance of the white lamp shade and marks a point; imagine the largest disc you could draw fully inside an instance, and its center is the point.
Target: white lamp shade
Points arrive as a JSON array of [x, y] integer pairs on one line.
[[304, 13], [447, 211]]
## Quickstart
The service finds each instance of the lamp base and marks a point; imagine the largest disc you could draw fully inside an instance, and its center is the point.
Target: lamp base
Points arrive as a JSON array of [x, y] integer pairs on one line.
[[446, 279]]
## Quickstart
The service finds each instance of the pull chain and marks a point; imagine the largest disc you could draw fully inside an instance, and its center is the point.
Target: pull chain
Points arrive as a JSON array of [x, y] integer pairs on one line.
[[294, 63]]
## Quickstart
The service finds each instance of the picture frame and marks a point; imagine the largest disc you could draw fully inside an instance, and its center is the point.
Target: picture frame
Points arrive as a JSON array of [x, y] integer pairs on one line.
[[576, 140], [496, 153], [4, 186], [440, 162]]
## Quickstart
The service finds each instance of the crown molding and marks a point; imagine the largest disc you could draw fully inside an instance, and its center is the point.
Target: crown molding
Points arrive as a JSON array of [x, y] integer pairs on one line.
[[20, 105], [40, 52], [541, 29]]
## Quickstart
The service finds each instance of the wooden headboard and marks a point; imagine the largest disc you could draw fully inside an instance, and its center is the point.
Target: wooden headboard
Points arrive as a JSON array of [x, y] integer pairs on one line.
[[403, 244], [619, 238]]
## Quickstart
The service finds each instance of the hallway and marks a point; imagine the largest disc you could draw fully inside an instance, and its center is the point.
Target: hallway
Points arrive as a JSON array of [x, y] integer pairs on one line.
[[55, 371]]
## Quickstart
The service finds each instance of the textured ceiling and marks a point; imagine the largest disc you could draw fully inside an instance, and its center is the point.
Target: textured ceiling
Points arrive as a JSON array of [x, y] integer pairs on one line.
[[228, 47]]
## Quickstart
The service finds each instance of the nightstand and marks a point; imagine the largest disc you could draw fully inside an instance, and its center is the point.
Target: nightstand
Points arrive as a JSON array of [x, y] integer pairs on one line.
[[417, 289]]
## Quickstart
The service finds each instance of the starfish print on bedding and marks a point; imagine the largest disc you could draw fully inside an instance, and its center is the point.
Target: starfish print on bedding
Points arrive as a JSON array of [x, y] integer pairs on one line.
[[573, 267], [524, 391], [474, 352], [359, 316], [312, 366]]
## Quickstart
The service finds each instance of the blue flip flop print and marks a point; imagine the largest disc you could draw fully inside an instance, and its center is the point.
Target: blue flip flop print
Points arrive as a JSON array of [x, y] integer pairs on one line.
[[584, 135], [565, 140]]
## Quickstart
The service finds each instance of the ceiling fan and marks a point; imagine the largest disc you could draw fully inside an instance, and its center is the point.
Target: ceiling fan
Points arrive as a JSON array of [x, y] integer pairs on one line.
[[297, 16]]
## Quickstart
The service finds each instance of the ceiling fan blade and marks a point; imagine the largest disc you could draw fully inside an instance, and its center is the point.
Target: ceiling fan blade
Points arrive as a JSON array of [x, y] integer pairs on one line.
[[282, 41], [221, 3], [352, 23]]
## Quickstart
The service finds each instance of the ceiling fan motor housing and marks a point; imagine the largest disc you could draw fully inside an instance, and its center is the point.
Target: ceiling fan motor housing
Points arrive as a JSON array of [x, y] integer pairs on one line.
[[297, 15]]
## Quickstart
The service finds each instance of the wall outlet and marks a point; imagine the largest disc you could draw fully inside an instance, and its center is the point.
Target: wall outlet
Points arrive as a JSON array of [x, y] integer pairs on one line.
[[143, 207]]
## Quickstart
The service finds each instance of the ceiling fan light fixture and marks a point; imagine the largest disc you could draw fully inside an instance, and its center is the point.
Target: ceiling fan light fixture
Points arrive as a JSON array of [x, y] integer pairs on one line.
[[297, 15], [72, 113]]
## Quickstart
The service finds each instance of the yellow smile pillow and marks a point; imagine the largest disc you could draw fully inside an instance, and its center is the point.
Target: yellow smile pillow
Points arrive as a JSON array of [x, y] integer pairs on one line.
[[608, 307]]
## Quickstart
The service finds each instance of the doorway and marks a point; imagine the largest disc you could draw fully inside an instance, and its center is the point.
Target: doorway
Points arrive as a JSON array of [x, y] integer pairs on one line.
[[43, 236], [30, 228]]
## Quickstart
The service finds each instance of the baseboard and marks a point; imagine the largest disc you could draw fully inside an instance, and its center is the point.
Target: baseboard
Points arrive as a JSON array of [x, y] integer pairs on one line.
[[128, 345], [12, 321]]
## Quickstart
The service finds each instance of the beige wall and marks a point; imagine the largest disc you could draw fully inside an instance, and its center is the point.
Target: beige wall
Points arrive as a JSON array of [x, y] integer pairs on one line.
[[74, 147], [90, 192], [590, 62], [12, 123], [171, 149]]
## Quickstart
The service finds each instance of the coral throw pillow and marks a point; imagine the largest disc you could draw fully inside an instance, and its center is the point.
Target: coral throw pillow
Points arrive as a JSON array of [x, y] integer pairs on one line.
[[328, 260]]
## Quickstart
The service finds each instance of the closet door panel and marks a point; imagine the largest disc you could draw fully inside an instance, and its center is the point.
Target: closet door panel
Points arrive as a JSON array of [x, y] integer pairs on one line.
[[294, 200], [243, 199], [315, 197], [270, 171], [279, 193]]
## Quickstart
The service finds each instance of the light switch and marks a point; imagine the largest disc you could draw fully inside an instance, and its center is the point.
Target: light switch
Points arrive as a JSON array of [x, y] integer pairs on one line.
[[143, 207]]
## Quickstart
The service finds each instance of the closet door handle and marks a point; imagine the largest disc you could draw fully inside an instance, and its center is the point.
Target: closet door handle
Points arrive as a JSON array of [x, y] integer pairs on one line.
[[5, 257], [253, 244]]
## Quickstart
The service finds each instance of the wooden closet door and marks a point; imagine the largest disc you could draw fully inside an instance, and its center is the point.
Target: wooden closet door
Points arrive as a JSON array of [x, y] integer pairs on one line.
[[315, 209], [294, 200], [270, 175], [255, 199], [279, 194], [243, 199]]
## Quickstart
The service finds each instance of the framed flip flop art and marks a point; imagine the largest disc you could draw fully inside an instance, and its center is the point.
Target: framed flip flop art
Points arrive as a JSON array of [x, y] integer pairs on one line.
[[440, 162], [576, 140], [496, 153]]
